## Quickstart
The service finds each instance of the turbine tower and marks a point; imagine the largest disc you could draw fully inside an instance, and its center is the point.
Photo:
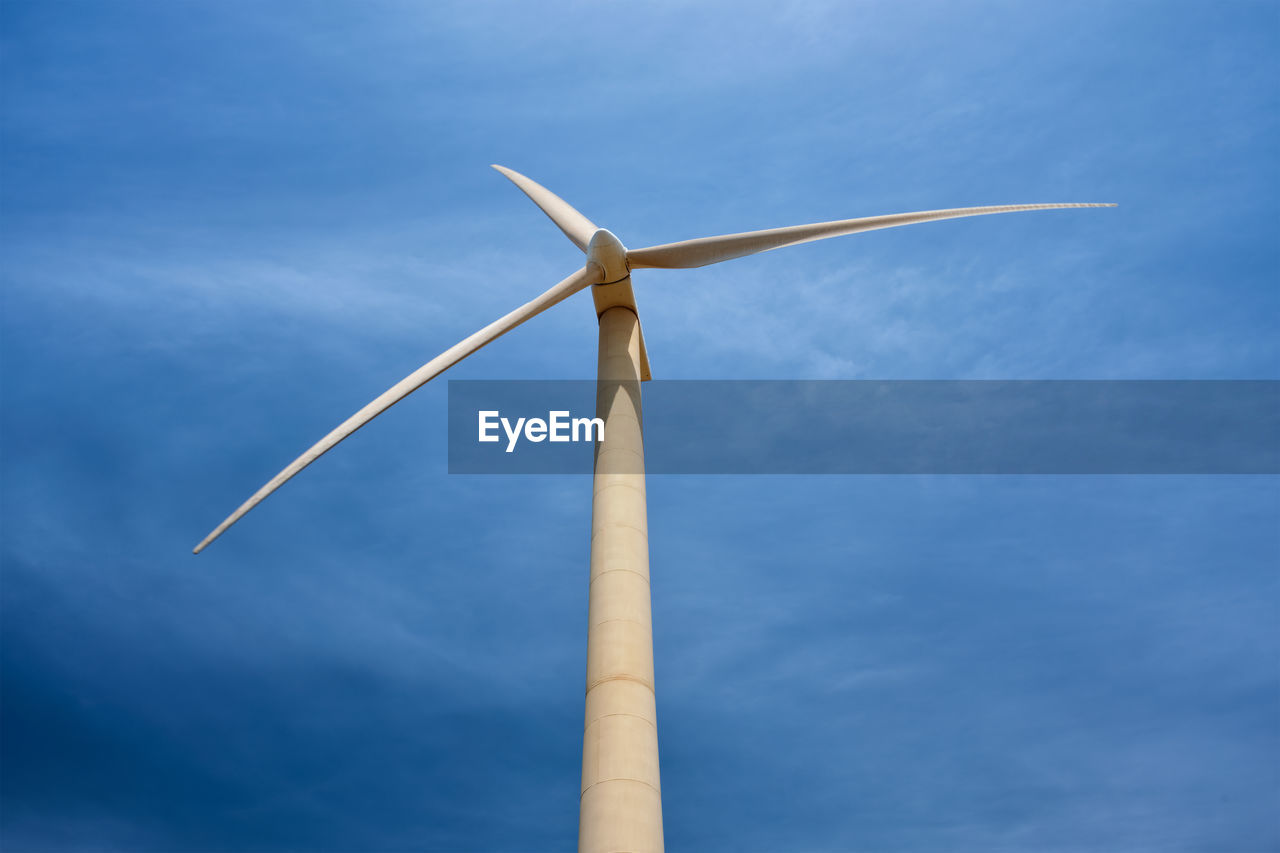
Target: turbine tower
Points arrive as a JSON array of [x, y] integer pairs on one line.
[[621, 802]]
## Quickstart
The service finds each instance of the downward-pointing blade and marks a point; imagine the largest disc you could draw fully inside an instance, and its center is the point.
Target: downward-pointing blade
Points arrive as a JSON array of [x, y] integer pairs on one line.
[[584, 277], [710, 250], [574, 225]]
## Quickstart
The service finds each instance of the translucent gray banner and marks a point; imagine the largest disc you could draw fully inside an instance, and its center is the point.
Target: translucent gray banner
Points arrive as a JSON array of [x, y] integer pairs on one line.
[[879, 427]]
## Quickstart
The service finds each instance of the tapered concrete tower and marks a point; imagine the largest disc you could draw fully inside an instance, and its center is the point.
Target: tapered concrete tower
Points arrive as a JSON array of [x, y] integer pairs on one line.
[[621, 807]]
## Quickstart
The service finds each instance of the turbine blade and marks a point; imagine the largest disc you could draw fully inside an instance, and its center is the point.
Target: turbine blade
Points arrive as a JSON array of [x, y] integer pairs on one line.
[[711, 250], [574, 225], [584, 277]]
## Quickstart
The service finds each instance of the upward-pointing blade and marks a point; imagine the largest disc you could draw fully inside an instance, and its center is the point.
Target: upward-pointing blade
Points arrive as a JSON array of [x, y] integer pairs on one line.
[[584, 277], [574, 225], [711, 250]]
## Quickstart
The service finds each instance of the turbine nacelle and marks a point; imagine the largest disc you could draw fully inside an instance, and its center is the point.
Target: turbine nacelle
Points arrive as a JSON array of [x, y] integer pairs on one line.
[[606, 253]]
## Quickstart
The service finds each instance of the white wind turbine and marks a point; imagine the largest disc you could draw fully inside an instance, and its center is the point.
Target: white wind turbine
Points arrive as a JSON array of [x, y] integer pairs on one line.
[[621, 805]]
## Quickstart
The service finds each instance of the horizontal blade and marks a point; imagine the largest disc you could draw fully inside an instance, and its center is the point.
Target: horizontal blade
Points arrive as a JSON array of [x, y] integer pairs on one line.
[[574, 225], [711, 250], [584, 277]]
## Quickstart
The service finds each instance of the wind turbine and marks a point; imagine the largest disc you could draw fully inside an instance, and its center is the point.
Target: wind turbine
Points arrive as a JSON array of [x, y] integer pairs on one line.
[[621, 804]]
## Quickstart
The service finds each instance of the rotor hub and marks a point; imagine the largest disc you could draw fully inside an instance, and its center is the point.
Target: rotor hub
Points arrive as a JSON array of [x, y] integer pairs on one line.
[[607, 252]]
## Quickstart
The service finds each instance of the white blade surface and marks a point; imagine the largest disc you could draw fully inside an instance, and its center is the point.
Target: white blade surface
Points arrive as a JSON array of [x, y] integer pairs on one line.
[[574, 225], [711, 250], [584, 277]]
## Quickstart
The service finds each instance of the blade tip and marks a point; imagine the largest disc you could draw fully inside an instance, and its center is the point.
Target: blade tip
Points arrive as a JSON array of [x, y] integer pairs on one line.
[[205, 542]]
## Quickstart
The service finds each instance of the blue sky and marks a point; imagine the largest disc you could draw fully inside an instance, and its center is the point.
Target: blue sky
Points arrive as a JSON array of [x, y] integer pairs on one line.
[[228, 225]]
